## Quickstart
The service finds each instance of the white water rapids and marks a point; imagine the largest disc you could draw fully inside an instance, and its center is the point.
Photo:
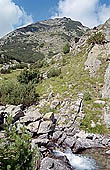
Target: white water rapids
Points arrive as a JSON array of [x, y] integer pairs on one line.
[[78, 162]]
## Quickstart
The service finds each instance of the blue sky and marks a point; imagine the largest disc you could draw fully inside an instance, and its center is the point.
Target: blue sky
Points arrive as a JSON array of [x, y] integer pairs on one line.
[[17, 13], [39, 9]]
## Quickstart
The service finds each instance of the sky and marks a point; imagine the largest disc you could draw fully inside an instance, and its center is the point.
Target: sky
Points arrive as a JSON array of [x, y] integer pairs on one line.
[[17, 13]]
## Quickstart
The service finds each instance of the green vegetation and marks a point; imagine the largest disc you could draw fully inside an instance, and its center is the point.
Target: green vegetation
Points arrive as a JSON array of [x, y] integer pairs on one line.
[[87, 96], [96, 38], [93, 112], [54, 72], [66, 48], [15, 149], [27, 76], [11, 93], [23, 52]]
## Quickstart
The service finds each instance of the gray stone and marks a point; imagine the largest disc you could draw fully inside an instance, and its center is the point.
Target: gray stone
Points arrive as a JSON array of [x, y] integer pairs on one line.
[[15, 111], [57, 135], [33, 127], [107, 116], [31, 115], [53, 164], [99, 102], [93, 63], [106, 88], [82, 144], [54, 104], [45, 127], [70, 141], [108, 152]]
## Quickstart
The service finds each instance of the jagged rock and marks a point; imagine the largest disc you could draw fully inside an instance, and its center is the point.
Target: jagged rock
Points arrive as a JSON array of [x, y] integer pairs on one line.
[[61, 140], [45, 127], [93, 63], [53, 164], [105, 141], [70, 141], [15, 111], [106, 88], [33, 127], [57, 135], [107, 116], [31, 115], [40, 141], [49, 116], [54, 104]]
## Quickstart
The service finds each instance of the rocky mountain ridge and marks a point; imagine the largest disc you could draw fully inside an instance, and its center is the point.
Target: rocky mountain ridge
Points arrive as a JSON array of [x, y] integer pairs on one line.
[[42, 39]]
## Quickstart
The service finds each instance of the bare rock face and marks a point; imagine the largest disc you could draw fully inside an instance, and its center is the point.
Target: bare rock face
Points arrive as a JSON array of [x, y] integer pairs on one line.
[[93, 63], [107, 116], [106, 88], [106, 30]]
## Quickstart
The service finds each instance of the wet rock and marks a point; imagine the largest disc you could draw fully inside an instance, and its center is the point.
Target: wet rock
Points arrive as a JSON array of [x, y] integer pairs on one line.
[[82, 144], [53, 164]]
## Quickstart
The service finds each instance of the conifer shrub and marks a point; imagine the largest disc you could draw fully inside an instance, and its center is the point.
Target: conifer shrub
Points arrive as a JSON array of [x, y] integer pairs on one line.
[[66, 48], [16, 94], [15, 149], [27, 76], [54, 72]]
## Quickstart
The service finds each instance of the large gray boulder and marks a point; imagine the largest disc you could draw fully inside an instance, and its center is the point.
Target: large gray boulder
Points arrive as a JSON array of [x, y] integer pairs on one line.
[[15, 111], [31, 115], [53, 164]]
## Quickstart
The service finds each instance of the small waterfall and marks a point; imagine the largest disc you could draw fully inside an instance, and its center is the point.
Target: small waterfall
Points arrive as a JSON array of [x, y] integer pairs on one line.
[[78, 162]]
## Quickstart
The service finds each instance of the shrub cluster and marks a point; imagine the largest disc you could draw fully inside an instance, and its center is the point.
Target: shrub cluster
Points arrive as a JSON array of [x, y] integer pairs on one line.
[[97, 38], [27, 76], [15, 149], [54, 72], [16, 94], [66, 48]]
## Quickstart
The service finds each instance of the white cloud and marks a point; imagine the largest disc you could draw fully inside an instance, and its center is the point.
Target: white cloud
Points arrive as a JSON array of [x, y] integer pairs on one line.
[[89, 12], [11, 16]]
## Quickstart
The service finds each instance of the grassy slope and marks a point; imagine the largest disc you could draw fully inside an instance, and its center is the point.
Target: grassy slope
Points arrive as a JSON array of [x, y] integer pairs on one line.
[[73, 80]]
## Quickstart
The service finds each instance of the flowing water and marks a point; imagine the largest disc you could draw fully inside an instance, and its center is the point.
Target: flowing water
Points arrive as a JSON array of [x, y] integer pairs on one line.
[[78, 162]]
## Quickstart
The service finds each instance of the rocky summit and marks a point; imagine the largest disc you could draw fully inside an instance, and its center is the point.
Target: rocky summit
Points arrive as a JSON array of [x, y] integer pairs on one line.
[[55, 81]]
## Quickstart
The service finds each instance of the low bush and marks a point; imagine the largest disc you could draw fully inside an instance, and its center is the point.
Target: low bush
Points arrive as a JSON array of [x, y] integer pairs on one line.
[[54, 72], [96, 38], [15, 149], [66, 48], [27, 76], [87, 96], [16, 94]]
